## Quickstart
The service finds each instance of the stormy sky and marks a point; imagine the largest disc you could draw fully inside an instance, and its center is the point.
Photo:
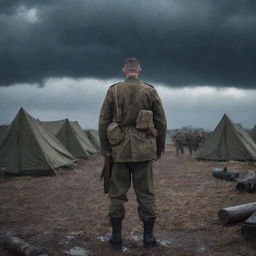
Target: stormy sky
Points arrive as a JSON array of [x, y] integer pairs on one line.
[[57, 58]]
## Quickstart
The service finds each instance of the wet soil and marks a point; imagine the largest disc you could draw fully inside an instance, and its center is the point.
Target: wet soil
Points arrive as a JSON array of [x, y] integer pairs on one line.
[[58, 213]]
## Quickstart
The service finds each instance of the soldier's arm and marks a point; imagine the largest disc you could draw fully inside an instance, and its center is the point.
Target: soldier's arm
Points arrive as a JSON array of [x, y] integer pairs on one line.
[[159, 122], [105, 119]]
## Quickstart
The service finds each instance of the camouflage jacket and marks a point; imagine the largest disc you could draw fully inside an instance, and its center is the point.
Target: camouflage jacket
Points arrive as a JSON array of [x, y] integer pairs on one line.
[[137, 145]]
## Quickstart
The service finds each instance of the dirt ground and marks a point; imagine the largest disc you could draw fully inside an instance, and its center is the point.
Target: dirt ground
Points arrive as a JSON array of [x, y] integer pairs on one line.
[[58, 213]]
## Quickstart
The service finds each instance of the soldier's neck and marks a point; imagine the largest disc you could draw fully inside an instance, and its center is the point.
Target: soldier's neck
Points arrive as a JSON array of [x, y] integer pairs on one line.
[[132, 76]]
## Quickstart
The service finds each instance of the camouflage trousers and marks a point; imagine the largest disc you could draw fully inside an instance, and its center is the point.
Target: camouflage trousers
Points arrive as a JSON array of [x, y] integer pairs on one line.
[[141, 175]]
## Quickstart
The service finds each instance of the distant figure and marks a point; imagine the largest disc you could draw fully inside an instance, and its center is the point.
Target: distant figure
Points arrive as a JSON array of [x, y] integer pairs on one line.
[[189, 141], [132, 128], [178, 142], [197, 140]]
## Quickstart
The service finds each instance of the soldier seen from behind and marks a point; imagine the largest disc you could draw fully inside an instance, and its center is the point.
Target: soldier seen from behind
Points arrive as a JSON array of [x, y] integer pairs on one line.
[[196, 141], [178, 142], [132, 129], [193, 140], [189, 142]]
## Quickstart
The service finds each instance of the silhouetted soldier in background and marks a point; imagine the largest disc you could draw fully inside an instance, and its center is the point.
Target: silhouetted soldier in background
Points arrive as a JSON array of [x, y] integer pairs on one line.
[[178, 142]]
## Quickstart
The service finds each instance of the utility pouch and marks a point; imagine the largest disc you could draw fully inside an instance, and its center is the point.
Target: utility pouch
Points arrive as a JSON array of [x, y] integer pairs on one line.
[[114, 134], [144, 120]]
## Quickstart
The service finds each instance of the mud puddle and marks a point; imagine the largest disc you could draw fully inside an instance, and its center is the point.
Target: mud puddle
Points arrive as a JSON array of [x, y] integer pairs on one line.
[[192, 241], [197, 241]]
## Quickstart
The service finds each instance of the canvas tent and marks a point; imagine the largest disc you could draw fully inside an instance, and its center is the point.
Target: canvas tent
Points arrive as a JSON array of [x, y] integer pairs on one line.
[[253, 133], [229, 141], [27, 148], [93, 136], [72, 136], [3, 128], [53, 126]]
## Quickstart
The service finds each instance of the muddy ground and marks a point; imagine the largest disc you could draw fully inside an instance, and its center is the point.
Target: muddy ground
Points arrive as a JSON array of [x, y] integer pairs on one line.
[[58, 213]]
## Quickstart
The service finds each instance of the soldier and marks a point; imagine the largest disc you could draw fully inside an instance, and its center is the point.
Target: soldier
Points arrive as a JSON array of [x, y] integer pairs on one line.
[[189, 142], [138, 138], [196, 141], [178, 141]]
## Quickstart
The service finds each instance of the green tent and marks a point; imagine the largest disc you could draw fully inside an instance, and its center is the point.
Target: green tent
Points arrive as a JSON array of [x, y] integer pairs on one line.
[[27, 148], [253, 133], [93, 136], [72, 136], [3, 128], [53, 126], [229, 141]]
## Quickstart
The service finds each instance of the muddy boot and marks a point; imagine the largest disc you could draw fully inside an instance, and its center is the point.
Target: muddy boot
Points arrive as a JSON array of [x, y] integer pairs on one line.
[[149, 240], [116, 238]]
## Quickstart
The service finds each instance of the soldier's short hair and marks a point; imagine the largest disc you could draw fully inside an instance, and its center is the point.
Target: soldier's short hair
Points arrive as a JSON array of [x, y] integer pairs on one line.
[[131, 63]]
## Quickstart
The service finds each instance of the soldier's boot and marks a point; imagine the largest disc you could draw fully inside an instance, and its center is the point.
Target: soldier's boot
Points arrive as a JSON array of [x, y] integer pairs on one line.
[[149, 240], [116, 238]]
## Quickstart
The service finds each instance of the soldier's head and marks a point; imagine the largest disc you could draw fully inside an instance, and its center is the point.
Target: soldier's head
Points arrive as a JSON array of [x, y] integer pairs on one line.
[[132, 67]]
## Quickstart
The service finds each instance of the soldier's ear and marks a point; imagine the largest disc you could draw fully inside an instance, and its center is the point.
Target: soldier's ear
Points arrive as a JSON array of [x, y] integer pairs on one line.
[[123, 69]]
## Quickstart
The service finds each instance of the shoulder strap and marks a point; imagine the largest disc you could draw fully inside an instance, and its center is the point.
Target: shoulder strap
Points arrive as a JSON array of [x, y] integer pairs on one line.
[[113, 85], [148, 84], [117, 107]]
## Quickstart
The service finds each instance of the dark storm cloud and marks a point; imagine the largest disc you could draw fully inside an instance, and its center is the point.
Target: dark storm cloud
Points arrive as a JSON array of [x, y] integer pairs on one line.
[[179, 42]]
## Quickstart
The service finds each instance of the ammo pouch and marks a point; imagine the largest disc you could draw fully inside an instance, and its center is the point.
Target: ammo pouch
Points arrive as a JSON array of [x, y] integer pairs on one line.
[[114, 134], [145, 122]]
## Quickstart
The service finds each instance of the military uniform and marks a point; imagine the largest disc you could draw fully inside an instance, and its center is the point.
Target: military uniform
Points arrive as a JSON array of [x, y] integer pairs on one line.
[[189, 142], [178, 140], [133, 156]]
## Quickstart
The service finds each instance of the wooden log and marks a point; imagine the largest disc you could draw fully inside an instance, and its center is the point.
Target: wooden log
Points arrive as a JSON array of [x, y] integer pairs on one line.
[[20, 248], [225, 174], [236, 213]]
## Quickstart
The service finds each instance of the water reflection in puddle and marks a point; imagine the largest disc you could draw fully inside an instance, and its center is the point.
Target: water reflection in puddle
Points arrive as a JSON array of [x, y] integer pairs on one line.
[[188, 241]]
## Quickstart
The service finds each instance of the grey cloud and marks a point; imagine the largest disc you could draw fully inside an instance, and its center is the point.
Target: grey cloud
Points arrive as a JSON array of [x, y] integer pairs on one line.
[[179, 42], [81, 100]]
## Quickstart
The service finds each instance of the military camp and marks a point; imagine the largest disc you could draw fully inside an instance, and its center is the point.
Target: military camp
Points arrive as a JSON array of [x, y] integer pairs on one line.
[[36, 151], [72, 136], [65, 156], [229, 141], [127, 128], [31, 147]]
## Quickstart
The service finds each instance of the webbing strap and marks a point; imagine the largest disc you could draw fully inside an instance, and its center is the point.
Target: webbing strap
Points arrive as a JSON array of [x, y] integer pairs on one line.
[[118, 110]]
